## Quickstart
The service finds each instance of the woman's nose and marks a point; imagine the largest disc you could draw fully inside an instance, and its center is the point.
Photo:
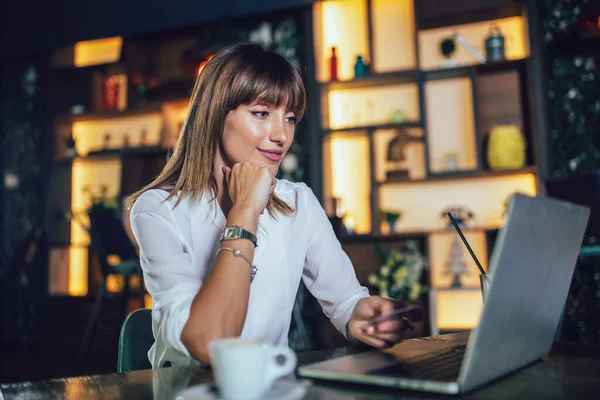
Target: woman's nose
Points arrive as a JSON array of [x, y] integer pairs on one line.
[[279, 133]]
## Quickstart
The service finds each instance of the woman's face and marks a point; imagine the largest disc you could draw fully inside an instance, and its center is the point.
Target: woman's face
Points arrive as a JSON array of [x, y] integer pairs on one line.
[[258, 134]]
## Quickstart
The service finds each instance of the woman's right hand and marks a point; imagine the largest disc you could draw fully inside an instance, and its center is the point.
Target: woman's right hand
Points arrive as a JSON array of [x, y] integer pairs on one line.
[[249, 186]]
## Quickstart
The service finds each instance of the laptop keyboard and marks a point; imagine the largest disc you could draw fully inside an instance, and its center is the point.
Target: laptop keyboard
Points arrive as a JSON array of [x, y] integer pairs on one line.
[[438, 366]]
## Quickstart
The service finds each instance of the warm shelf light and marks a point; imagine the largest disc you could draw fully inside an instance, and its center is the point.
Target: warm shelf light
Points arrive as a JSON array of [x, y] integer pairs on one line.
[[513, 28], [421, 204], [341, 24], [114, 133], [456, 310], [100, 51], [348, 171], [93, 175]]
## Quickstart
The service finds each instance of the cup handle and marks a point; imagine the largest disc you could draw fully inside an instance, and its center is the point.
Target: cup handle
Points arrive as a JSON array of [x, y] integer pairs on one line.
[[282, 362]]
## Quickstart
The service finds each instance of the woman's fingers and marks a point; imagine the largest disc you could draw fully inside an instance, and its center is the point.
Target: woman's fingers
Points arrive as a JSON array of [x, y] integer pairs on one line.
[[373, 341]]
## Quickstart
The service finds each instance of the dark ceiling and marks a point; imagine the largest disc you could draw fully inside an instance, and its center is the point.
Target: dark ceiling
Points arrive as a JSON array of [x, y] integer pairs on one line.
[[35, 26]]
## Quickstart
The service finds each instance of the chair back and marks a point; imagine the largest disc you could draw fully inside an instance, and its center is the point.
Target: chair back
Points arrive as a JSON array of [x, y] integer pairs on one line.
[[109, 237], [135, 341]]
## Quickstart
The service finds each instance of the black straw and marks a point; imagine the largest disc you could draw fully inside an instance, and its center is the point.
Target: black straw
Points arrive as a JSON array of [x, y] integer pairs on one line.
[[465, 242]]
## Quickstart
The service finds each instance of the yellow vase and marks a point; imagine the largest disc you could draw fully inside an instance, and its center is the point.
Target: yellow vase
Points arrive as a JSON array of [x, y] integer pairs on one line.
[[506, 148]]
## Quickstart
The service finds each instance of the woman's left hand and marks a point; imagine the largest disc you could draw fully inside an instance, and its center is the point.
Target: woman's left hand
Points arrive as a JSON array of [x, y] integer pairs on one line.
[[383, 334]]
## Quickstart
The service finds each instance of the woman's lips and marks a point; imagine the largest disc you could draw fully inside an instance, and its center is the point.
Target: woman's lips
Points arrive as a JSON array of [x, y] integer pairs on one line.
[[274, 156]]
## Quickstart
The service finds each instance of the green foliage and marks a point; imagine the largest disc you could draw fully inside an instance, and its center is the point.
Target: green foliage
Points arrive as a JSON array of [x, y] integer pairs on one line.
[[391, 216], [399, 276]]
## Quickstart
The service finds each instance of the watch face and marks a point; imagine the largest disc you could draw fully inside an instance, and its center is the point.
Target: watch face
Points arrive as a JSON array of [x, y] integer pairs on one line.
[[230, 233]]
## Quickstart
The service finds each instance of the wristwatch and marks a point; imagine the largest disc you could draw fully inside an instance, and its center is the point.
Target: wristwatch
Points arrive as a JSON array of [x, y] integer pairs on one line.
[[235, 232]]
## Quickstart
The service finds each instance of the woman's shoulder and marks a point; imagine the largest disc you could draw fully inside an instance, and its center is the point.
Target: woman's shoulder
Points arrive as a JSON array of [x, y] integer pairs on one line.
[[158, 201], [298, 193]]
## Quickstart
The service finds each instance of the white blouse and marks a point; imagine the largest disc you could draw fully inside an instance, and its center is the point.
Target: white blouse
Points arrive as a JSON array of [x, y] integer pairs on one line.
[[178, 246]]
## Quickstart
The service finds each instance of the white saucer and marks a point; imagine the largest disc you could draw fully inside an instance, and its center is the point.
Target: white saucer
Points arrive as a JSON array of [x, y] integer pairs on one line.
[[282, 389]]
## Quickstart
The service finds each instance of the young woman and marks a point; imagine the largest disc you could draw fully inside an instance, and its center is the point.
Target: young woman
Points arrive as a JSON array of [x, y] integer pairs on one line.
[[224, 244]]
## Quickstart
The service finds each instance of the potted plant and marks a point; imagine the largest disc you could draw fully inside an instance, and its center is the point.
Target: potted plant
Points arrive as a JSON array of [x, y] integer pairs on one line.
[[400, 273], [391, 217], [100, 204]]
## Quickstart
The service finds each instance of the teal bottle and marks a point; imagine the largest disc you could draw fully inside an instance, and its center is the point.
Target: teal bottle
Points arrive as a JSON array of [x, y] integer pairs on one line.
[[360, 69]]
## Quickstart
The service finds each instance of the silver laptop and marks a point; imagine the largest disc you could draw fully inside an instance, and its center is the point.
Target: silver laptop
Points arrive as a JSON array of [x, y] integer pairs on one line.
[[530, 270]]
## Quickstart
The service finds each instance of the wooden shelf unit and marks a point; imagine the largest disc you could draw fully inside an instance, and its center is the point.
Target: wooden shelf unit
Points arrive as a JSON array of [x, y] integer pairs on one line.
[[494, 93]]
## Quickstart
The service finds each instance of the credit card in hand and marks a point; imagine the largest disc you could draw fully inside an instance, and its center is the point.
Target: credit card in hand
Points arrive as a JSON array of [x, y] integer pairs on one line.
[[411, 313]]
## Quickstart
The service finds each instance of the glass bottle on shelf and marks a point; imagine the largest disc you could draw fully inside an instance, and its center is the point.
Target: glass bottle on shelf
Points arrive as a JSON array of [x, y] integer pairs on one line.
[[360, 69], [333, 69]]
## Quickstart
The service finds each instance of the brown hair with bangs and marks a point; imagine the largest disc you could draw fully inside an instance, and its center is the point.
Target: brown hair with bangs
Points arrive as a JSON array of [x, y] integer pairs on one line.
[[237, 75]]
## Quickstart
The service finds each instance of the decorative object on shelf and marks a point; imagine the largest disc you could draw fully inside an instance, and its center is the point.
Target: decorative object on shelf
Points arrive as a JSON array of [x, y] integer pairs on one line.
[[448, 48], [70, 149], [125, 140], [470, 48], [505, 148], [111, 89], [456, 265], [144, 137], [106, 140], [139, 83], [399, 276], [451, 161], [360, 68], [391, 217], [397, 116], [349, 224], [333, 65], [77, 109], [462, 215], [494, 45], [397, 168]]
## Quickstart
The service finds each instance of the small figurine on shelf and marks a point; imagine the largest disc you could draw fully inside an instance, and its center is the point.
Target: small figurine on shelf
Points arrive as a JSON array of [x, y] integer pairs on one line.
[[397, 165], [360, 68], [461, 214], [125, 140], [391, 217], [106, 140], [456, 265], [333, 65], [451, 161]]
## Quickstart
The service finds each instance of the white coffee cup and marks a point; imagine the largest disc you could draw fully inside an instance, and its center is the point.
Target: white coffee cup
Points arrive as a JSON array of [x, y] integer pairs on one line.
[[246, 369]]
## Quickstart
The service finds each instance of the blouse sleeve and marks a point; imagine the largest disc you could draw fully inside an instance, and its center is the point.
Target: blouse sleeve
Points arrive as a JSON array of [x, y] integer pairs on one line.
[[169, 273], [328, 272]]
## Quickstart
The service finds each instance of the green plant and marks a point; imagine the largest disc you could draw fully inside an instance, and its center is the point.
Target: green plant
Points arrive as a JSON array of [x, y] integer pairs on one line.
[[391, 216], [100, 203], [400, 272]]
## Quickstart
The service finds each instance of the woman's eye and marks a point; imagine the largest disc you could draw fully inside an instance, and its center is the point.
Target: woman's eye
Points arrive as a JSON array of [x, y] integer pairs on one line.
[[291, 120], [260, 114]]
